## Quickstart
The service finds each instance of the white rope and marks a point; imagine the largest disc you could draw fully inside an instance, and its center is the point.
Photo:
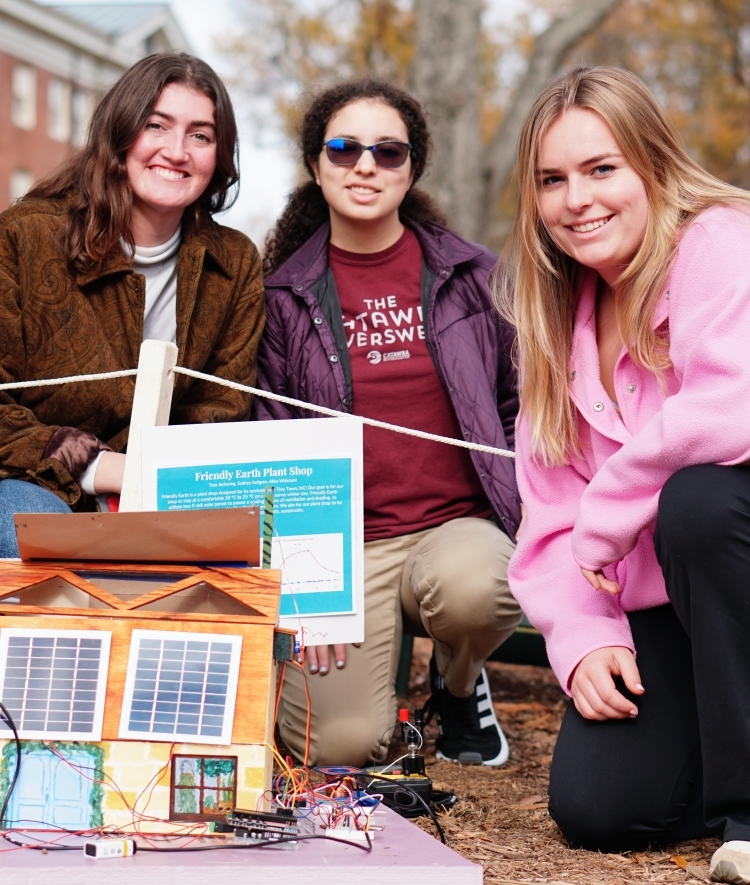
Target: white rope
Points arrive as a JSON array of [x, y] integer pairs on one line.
[[46, 382], [408, 431], [371, 422]]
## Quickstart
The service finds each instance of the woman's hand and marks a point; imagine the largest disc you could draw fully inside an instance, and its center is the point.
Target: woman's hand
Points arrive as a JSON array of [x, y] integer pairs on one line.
[[593, 687], [318, 658], [109, 471], [599, 582]]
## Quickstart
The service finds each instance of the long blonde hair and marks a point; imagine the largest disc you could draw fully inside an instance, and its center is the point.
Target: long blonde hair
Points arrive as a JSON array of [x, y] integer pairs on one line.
[[538, 284]]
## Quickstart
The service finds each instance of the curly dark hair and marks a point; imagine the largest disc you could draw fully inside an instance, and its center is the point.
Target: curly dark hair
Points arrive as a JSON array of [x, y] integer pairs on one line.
[[94, 180], [306, 210]]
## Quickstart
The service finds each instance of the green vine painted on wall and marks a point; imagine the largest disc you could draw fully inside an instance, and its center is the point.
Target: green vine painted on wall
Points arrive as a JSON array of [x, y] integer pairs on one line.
[[95, 751]]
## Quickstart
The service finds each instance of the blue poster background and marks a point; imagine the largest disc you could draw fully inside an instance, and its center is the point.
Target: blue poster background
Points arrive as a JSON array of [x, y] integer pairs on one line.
[[311, 497]]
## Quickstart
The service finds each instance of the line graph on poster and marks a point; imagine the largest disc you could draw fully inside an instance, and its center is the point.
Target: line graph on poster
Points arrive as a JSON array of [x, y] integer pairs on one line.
[[309, 563]]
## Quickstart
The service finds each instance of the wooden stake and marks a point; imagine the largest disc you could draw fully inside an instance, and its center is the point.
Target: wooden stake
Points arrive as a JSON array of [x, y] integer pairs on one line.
[[151, 405]]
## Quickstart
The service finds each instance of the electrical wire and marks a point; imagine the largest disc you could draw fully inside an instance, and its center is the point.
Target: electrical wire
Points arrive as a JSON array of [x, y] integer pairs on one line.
[[138, 817], [46, 846], [12, 725], [360, 773], [50, 846], [337, 797], [419, 747], [297, 785], [416, 795], [335, 801], [263, 844]]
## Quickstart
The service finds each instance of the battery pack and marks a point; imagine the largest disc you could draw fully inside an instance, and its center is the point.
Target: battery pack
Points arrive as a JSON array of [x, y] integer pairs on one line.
[[398, 789], [100, 849]]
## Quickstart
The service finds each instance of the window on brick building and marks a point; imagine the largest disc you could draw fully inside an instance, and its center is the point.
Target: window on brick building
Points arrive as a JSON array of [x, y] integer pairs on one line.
[[20, 182], [82, 109], [23, 109], [58, 110]]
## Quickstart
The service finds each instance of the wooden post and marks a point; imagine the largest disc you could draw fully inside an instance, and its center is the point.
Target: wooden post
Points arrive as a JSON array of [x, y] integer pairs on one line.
[[151, 404]]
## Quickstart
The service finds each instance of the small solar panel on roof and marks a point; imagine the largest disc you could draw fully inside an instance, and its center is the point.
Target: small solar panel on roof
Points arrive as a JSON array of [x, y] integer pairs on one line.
[[181, 687], [53, 682]]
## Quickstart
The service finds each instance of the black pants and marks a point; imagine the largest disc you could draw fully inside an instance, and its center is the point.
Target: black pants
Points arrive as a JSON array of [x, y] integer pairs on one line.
[[681, 769]]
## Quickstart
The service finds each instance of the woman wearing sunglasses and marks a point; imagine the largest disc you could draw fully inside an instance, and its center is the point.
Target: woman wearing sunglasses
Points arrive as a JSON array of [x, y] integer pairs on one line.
[[375, 308], [629, 284]]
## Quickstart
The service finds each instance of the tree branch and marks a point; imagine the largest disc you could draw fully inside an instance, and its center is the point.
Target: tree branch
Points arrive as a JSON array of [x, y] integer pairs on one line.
[[550, 48]]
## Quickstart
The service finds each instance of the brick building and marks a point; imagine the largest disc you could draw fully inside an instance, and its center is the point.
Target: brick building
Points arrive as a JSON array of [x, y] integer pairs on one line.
[[55, 63]]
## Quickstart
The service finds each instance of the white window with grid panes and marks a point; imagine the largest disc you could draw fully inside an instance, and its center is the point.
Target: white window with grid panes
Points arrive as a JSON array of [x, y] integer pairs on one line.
[[181, 686], [21, 181], [82, 107], [59, 111], [23, 97], [53, 682]]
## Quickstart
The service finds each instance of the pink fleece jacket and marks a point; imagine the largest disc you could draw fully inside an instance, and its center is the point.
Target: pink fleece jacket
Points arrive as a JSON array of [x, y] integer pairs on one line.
[[598, 511]]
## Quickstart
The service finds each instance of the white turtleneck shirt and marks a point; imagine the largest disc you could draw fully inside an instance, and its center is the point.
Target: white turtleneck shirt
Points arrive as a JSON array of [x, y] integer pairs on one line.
[[158, 264]]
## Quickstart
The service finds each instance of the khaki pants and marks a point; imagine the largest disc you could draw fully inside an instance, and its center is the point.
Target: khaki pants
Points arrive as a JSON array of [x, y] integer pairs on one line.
[[449, 583]]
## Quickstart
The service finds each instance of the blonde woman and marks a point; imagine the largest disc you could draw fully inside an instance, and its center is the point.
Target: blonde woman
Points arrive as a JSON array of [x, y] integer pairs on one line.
[[628, 281]]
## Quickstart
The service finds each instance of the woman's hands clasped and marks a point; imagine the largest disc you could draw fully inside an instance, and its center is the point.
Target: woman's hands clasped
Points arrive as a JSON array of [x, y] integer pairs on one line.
[[593, 687]]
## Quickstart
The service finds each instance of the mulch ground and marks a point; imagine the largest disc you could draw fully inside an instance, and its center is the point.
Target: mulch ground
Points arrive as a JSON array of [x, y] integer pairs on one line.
[[501, 819]]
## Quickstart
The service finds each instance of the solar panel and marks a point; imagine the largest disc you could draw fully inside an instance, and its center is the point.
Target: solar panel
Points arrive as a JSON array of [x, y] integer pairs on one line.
[[53, 682], [181, 686]]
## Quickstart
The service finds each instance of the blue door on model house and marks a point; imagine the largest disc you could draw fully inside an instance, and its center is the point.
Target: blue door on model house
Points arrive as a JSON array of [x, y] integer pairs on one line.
[[49, 792]]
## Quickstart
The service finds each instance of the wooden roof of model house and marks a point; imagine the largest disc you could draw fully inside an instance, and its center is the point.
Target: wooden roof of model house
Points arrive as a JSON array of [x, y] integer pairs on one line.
[[228, 595]]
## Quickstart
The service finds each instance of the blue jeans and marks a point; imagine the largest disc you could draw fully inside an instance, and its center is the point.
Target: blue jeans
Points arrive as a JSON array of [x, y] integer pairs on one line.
[[22, 497]]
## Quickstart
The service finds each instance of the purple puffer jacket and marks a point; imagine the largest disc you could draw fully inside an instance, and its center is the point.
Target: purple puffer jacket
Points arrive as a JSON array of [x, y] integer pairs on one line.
[[303, 352]]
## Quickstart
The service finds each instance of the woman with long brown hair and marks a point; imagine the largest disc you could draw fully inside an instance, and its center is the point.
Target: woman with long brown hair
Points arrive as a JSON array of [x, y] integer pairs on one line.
[[376, 308], [116, 246], [627, 277]]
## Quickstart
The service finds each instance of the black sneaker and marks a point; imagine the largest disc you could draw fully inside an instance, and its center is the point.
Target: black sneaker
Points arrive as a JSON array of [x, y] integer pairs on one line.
[[469, 732]]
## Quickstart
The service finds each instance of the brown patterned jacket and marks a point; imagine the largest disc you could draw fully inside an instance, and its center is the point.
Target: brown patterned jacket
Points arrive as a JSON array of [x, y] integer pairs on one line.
[[54, 324]]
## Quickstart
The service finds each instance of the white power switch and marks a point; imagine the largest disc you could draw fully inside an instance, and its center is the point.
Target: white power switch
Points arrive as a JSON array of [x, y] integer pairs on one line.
[[101, 848]]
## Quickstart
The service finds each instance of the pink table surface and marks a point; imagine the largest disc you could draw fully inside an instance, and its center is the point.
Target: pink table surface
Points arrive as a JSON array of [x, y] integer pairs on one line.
[[401, 855]]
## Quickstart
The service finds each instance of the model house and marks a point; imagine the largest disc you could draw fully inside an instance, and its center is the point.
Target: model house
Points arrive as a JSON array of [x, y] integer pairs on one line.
[[143, 696]]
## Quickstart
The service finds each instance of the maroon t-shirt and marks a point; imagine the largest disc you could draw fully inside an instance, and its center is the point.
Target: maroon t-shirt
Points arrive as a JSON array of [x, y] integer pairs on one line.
[[410, 484]]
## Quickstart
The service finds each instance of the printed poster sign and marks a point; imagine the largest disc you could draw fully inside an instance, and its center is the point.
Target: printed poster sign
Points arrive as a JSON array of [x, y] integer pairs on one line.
[[312, 539], [315, 469]]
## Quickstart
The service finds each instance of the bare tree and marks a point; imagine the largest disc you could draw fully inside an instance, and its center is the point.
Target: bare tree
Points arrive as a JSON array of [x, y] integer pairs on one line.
[[467, 177], [446, 75], [436, 45]]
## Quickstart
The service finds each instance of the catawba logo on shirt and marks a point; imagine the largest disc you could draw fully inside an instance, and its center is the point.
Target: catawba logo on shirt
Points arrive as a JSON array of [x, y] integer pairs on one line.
[[374, 356]]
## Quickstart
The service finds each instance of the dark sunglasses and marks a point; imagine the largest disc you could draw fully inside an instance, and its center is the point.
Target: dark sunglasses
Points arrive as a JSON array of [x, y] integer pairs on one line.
[[347, 151]]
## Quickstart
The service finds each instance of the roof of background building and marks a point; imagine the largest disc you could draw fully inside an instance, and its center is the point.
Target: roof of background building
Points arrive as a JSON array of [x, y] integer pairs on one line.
[[113, 19], [138, 28], [87, 43]]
